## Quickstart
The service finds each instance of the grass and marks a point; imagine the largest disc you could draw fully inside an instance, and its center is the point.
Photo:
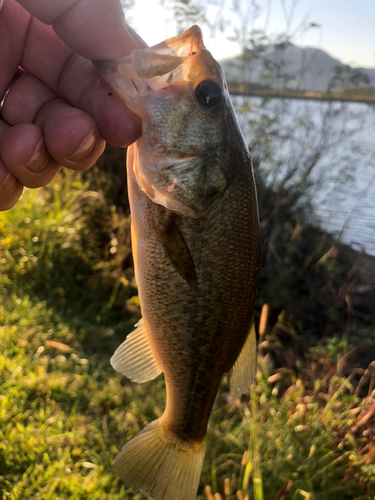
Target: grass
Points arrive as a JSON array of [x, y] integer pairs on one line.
[[68, 298]]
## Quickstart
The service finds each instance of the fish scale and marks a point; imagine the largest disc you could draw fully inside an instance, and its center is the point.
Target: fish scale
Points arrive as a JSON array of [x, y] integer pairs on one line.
[[196, 247]]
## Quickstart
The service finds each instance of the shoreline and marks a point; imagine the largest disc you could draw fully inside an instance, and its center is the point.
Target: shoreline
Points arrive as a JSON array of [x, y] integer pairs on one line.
[[301, 96]]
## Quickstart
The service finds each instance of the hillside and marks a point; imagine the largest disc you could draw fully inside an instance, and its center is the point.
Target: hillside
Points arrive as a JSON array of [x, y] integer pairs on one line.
[[308, 69]]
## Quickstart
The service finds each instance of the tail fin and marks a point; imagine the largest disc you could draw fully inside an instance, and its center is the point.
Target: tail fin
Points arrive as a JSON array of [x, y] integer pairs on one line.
[[157, 461]]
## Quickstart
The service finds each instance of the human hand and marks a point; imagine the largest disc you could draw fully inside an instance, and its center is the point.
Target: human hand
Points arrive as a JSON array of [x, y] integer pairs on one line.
[[58, 111]]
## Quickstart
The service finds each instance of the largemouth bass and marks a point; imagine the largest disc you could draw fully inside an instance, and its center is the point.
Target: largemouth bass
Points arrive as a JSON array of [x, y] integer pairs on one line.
[[196, 247]]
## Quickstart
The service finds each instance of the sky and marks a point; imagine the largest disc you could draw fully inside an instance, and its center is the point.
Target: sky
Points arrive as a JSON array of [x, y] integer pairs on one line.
[[346, 27]]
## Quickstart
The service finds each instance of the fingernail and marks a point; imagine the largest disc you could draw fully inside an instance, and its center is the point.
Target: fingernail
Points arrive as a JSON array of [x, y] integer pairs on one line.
[[10, 183], [85, 148], [36, 163]]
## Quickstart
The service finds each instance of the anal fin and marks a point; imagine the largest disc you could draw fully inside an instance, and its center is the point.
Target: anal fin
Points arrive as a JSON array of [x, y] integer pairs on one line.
[[243, 372], [134, 357]]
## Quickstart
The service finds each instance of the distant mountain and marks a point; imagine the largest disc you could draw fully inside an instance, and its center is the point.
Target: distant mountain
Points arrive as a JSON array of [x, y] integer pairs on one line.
[[309, 69]]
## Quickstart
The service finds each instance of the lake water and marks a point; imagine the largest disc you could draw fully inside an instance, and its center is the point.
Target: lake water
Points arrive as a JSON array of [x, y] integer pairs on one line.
[[339, 140]]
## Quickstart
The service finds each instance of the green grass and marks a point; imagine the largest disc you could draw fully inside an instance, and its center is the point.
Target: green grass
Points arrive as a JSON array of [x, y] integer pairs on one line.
[[67, 300]]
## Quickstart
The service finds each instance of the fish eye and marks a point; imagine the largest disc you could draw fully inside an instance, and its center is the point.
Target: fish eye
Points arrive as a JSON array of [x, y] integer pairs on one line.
[[208, 93]]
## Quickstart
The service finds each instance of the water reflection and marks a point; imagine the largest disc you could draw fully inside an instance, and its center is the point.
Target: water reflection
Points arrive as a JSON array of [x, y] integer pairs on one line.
[[335, 140]]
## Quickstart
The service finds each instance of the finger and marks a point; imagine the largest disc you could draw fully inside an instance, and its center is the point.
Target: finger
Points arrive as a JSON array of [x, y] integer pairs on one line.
[[25, 98], [82, 87], [26, 157], [14, 21], [76, 80], [70, 76], [117, 125], [71, 135], [10, 188], [95, 29]]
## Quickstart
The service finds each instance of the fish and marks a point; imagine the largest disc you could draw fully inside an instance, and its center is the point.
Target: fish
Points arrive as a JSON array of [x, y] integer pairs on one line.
[[196, 248]]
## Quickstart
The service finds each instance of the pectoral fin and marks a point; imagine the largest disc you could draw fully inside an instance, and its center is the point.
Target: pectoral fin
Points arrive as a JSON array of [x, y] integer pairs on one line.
[[134, 358], [243, 372], [179, 253]]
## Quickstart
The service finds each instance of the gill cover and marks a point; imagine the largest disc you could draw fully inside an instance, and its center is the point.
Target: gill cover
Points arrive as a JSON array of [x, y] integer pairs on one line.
[[179, 91]]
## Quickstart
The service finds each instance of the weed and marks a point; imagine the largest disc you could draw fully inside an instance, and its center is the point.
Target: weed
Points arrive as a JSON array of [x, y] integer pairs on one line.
[[67, 302]]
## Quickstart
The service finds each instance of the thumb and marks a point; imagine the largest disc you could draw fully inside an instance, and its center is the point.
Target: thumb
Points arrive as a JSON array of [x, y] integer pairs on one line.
[[96, 29]]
